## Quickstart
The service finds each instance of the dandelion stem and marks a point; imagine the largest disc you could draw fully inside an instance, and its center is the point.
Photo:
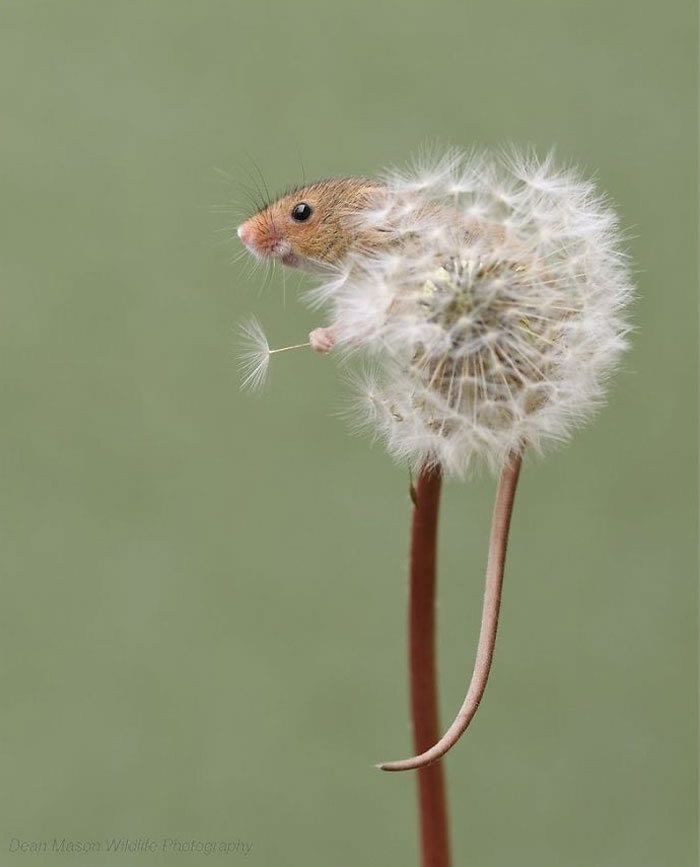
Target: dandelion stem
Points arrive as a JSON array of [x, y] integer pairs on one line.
[[500, 526], [432, 802]]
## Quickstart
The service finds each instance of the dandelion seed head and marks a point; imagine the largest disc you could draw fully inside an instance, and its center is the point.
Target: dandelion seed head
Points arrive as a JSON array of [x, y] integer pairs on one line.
[[494, 313]]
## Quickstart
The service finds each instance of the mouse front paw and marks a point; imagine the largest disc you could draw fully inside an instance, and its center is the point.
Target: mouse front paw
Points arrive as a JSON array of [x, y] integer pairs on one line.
[[322, 340]]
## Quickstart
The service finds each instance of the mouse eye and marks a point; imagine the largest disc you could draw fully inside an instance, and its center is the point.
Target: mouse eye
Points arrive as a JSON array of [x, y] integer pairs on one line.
[[301, 212]]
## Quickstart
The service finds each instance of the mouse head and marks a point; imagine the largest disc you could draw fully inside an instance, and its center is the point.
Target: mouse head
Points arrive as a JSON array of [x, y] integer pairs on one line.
[[311, 225]]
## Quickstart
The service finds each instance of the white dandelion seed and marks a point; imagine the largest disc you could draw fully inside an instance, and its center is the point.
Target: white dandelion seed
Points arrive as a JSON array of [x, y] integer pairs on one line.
[[255, 354]]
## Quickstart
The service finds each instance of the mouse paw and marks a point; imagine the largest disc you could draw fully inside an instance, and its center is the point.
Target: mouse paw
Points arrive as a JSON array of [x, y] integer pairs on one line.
[[322, 340]]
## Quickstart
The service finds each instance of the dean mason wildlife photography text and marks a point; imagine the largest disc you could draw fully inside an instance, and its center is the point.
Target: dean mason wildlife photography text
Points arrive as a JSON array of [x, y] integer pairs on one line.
[[130, 845]]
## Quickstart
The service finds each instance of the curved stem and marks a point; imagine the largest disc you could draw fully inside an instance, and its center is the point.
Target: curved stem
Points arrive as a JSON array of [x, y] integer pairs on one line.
[[432, 804], [500, 526]]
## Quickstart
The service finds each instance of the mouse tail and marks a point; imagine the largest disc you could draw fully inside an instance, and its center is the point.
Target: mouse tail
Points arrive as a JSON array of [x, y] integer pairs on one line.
[[500, 526]]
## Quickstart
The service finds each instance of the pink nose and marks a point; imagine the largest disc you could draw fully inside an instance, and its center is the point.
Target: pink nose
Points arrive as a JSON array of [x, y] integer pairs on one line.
[[244, 233]]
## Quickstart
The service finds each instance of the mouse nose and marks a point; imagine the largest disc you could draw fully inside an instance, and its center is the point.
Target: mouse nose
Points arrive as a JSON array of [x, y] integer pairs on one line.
[[244, 233]]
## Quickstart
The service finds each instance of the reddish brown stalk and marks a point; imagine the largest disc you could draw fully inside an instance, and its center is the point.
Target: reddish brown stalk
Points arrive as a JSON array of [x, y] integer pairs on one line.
[[500, 526], [432, 805]]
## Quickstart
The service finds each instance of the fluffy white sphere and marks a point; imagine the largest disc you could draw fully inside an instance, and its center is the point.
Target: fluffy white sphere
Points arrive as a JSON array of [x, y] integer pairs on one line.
[[493, 311]]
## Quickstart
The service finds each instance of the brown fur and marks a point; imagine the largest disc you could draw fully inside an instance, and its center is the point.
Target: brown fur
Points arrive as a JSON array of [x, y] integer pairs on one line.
[[330, 232]]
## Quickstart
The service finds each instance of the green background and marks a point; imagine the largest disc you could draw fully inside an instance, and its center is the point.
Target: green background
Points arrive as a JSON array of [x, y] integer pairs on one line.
[[203, 593]]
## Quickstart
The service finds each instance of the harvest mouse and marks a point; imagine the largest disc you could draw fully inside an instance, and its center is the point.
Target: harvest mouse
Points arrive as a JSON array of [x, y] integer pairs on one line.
[[312, 226]]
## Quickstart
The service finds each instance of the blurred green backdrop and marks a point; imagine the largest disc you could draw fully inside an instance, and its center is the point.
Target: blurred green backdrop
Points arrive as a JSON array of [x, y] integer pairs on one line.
[[203, 603]]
